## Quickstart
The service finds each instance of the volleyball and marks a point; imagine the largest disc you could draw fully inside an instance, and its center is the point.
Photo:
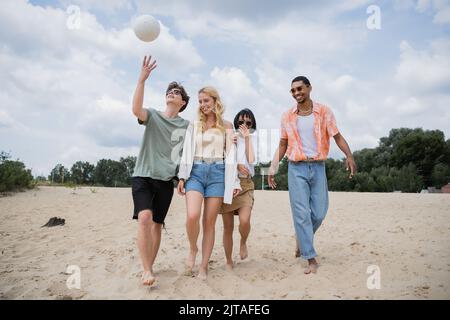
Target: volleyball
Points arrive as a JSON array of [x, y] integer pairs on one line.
[[146, 28]]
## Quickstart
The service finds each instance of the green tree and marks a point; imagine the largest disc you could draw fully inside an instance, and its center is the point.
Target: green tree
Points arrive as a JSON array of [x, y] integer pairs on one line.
[[281, 178], [366, 159], [422, 148], [406, 178], [258, 177], [383, 183], [4, 156], [13, 174], [338, 180], [332, 166], [440, 175], [361, 181], [82, 172], [337, 176], [129, 163], [41, 179], [446, 156], [110, 173], [59, 174]]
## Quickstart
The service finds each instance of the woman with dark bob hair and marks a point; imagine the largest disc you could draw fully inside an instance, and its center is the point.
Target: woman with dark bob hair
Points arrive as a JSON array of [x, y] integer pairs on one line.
[[245, 124]]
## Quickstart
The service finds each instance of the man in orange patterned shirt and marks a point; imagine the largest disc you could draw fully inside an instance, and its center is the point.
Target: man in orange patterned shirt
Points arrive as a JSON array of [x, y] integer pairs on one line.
[[306, 130]]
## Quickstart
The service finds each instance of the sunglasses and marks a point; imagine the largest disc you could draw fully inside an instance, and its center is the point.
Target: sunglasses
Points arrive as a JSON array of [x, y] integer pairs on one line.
[[174, 91], [247, 123], [294, 90]]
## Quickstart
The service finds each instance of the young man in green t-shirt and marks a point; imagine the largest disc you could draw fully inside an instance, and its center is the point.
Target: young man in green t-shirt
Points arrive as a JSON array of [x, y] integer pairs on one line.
[[156, 165]]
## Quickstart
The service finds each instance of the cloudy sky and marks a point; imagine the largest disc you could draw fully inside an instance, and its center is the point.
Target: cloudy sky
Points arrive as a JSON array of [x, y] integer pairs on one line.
[[69, 68]]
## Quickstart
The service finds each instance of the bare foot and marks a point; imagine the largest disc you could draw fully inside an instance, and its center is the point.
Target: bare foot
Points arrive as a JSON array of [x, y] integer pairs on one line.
[[188, 272], [229, 266], [243, 251], [148, 278], [190, 261], [312, 266], [202, 274]]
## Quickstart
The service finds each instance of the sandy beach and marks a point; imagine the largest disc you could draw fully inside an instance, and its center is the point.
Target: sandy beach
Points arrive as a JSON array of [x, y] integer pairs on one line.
[[407, 236]]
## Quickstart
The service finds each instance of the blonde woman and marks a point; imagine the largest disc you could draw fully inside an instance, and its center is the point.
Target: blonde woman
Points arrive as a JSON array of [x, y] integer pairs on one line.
[[207, 173]]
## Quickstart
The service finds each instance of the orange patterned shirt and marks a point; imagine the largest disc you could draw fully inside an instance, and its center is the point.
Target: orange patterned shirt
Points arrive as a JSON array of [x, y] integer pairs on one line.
[[324, 128]]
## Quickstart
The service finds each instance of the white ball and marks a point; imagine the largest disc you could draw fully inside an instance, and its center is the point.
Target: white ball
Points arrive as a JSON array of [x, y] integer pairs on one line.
[[146, 28]]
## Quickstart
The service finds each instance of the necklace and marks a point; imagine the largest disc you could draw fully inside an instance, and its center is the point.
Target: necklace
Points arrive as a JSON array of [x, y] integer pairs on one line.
[[307, 112]]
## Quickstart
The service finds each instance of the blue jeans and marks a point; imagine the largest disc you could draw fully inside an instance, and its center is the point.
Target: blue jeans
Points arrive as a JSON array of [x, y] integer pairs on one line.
[[308, 194]]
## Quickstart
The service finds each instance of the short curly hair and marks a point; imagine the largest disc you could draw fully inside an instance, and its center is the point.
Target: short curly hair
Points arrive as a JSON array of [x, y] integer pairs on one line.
[[303, 79], [184, 95]]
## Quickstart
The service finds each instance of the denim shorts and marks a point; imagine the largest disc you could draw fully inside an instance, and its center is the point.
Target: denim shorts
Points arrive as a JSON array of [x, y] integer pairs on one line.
[[207, 178]]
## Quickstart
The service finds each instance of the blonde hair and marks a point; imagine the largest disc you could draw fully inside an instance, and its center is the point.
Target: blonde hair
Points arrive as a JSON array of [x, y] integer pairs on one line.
[[218, 109]]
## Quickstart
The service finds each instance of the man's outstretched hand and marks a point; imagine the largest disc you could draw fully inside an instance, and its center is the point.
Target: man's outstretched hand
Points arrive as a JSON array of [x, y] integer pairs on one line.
[[147, 67]]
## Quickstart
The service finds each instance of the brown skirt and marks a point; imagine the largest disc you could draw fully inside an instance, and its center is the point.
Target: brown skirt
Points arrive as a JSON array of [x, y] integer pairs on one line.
[[243, 199]]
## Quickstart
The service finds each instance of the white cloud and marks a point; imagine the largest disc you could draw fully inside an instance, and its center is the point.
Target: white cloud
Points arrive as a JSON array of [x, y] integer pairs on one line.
[[342, 83], [423, 5], [5, 119], [424, 71], [110, 7], [411, 106], [256, 11], [277, 33], [110, 124], [238, 92], [234, 82], [73, 88], [49, 35], [69, 92], [442, 16], [441, 8], [406, 4]]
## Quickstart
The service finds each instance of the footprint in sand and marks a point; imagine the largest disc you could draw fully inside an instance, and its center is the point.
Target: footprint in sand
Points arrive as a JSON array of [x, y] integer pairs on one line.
[[422, 291], [111, 267]]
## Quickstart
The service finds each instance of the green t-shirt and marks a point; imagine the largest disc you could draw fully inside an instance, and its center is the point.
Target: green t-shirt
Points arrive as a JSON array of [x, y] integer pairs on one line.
[[161, 146]]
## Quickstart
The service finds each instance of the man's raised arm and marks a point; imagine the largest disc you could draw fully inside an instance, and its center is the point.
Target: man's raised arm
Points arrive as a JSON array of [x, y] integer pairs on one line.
[[138, 98]]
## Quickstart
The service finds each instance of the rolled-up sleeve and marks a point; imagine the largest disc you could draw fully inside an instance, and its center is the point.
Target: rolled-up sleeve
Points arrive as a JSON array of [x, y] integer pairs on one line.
[[330, 120], [149, 116]]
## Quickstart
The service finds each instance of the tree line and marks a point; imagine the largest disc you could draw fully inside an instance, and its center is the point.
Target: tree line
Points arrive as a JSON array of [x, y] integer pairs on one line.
[[13, 174], [107, 173], [407, 160]]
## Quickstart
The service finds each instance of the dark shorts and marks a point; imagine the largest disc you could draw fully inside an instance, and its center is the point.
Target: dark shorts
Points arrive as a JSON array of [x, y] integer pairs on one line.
[[152, 194]]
